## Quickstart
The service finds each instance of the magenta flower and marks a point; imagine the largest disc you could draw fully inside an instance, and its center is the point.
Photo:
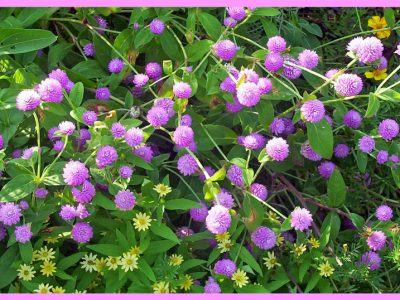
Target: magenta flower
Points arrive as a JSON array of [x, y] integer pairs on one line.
[[85, 194], [157, 116], [157, 26], [182, 90], [10, 213], [218, 219], [27, 100], [225, 267], [313, 111], [134, 137], [105, 156], [264, 238], [187, 165], [301, 219], [388, 129], [276, 44], [82, 232], [103, 94], [376, 241], [259, 190], [225, 50], [75, 173], [50, 90], [277, 149], [199, 214], [125, 200], [384, 213], [273, 62], [248, 94], [23, 234], [183, 136]]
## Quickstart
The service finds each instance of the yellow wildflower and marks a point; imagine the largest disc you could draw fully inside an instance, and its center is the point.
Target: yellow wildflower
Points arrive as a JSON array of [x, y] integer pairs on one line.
[[43, 289], [223, 237], [240, 278], [279, 240], [271, 261], [141, 221], [161, 287], [377, 74], [52, 239], [135, 250], [48, 268], [101, 264], [162, 189], [45, 254], [314, 242], [225, 246], [89, 262], [26, 272], [128, 262], [325, 269], [299, 249], [175, 260], [112, 262], [187, 283], [58, 290], [377, 22]]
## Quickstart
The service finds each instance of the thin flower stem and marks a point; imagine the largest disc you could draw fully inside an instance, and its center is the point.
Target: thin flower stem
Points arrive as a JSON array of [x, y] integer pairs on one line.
[[47, 170], [267, 205], [184, 181], [386, 79], [249, 40], [180, 44], [37, 126], [306, 69], [215, 144]]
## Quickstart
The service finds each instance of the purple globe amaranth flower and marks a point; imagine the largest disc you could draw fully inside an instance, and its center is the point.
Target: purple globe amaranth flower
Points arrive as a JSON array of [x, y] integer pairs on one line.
[[135, 26], [264, 238], [326, 169], [291, 72], [248, 94], [23, 205], [134, 137], [388, 129], [81, 211], [253, 141], [106, 156], [157, 26], [16, 153], [89, 50], [383, 64], [101, 22], [103, 94], [237, 13], [384, 213], [277, 149], [84, 135], [82, 232], [41, 193], [27, 100], [199, 214], [376, 241], [228, 85], [51, 134], [235, 175], [301, 219], [168, 105], [366, 144], [382, 157], [186, 120], [66, 127], [225, 49], [277, 126], [225, 199], [125, 200], [264, 85], [60, 76], [233, 107], [225, 267], [184, 231], [10, 213], [140, 80], [341, 150], [27, 153], [182, 90], [157, 116], [125, 172], [85, 194], [394, 158], [313, 111], [398, 50], [210, 172], [153, 70], [187, 165], [115, 65], [273, 62], [348, 85], [308, 59], [89, 117], [370, 50], [144, 152], [75, 173], [230, 22], [117, 130], [67, 212], [372, 260], [331, 73], [23, 234], [50, 90], [354, 44], [308, 152], [352, 119], [276, 44], [212, 287], [218, 219], [259, 190], [58, 146], [249, 75], [70, 85], [183, 136]]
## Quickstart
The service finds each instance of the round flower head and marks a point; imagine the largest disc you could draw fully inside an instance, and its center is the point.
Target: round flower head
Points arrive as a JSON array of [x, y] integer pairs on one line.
[[140, 80], [276, 44], [354, 44], [16, 153], [23, 234], [134, 137], [75, 173], [382, 157], [230, 22], [277, 126], [254, 141], [376, 241], [277, 149], [326, 169], [313, 111], [89, 117], [291, 72], [82, 232], [69, 86], [50, 90], [125, 172], [273, 62], [218, 219], [225, 199], [182, 90], [210, 171], [103, 94], [85, 194], [60, 76], [369, 50], [27, 100], [168, 105], [249, 75], [157, 116], [186, 120], [341, 150], [66, 127], [233, 107], [235, 175], [366, 144], [384, 213], [394, 158], [248, 94], [301, 219], [144, 152], [199, 214], [51, 134], [88, 49], [81, 211], [264, 238], [124, 200], [105, 156], [237, 13], [10, 213], [212, 287], [372, 260], [348, 85], [157, 26], [101, 22], [388, 129], [352, 119], [259, 190], [331, 73], [153, 70], [225, 49], [67, 212], [115, 65], [58, 146], [23, 205], [225, 267], [183, 136], [27, 153], [383, 64], [187, 165], [264, 85], [117, 130], [41, 193], [308, 152], [308, 59], [228, 85], [135, 26]]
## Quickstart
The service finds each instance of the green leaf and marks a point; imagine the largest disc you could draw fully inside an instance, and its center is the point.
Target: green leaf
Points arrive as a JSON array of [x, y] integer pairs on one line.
[[250, 260], [321, 138], [197, 50], [70, 260], [305, 265], [143, 37], [30, 15], [219, 175], [211, 25], [76, 95], [57, 53], [156, 247], [138, 161], [146, 269], [361, 160], [17, 188], [170, 45], [90, 68], [266, 11], [357, 220], [102, 201], [312, 283], [330, 228], [396, 176], [181, 204], [265, 111], [192, 263], [164, 231], [221, 135], [389, 16], [106, 249], [26, 252], [373, 105], [336, 189]]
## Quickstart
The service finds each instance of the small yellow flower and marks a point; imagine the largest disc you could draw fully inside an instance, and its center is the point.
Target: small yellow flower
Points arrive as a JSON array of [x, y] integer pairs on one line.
[[175, 260], [222, 237], [299, 249], [141, 221], [240, 278], [101, 264], [26, 272], [136, 251], [128, 262], [161, 287], [325, 269], [162, 189], [45, 254], [48, 268], [187, 283], [279, 240], [225, 246], [93, 285], [89, 262], [51, 239], [377, 22], [314, 242], [377, 74], [58, 290], [43, 289], [80, 292], [112, 262], [273, 217], [271, 261]]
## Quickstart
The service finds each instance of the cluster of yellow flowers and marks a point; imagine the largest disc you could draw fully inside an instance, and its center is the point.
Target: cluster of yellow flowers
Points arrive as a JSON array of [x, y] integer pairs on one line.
[[224, 241]]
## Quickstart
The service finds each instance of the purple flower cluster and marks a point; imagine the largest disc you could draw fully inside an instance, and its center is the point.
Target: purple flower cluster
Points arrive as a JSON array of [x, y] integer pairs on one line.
[[218, 219], [264, 238]]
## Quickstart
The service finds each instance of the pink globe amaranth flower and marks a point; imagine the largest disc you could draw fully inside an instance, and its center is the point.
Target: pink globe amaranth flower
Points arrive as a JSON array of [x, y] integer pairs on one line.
[[233, 107], [125, 200], [58, 146], [225, 199], [237, 13], [225, 49], [68, 212], [27, 100], [383, 64], [153, 70], [264, 85], [103, 94], [301, 219], [230, 22], [218, 219], [366, 144], [115, 65], [157, 26], [135, 26], [81, 211], [125, 172], [313, 111], [308, 152], [89, 50], [228, 85], [69, 86], [235, 175], [199, 214], [348, 85], [75, 173], [331, 73], [370, 50], [89, 117], [249, 75], [394, 158], [273, 62], [352, 119], [144, 152], [248, 94], [157, 116], [326, 169], [388, 129], [117, 130], [372, 260], [186, 120], [341, 150], [50, 90], [354, 44], [182, 90], [85, 194], [134, 137], [187, 165], [384, 213], [291, 72], [253, 141], [106, 156], [259, 190], [167, 104], [84, 135], [277, 149], [101, 22], [66, 127], [225, 267], [276, 44], [27, 153], [23, 234], [382, 157], [308, 59], [277, 126], [60, 76], [10, 213], [264, 238], [212, 287], [210, 172], [41, 193], [23, 205], [376, 241], [82, 232], [51, 134], [140, 80], [183, 136]]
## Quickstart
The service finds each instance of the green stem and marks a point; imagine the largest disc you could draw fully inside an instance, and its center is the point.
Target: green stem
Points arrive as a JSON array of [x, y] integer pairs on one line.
[[249, 40], [37, 126], [47, 170], [184, 181], [215, 144], [180, 44], [305, 69], [386, 79]]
